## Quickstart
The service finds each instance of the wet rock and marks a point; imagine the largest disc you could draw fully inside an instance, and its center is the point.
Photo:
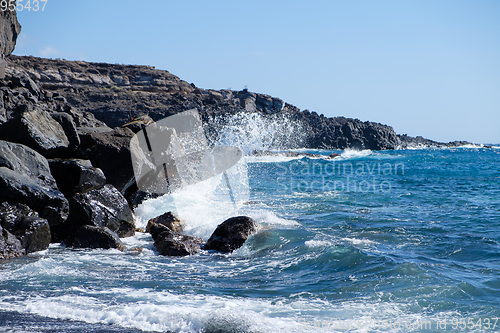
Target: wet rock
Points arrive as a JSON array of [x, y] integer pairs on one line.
[[182, 245], [171, 243], [12, 214], [92, 237], [231, 234], [10, 246], [76, 176], [34, 233], [49, 203], [104, 207], [170, 220], [37, 130]]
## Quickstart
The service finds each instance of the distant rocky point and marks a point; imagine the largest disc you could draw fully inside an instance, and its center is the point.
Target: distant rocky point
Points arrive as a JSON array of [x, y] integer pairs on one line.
[[112, 93]]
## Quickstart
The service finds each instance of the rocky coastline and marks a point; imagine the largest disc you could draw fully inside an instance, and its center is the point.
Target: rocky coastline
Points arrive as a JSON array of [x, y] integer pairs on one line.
[[65, 168]]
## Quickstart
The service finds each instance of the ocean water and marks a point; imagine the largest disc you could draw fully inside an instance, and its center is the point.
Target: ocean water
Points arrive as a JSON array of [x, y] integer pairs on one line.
[[392, 241]]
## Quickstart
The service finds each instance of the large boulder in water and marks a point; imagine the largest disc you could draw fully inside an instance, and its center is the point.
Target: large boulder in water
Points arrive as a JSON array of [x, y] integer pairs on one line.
[[92, 237], [104, 207], [170, 220], [76, 176], [171, 243], [231, 234]]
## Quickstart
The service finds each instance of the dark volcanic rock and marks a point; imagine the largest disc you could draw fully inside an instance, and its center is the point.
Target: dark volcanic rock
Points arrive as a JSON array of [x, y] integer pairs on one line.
[[182, 245], [170, 243], [34, 234], [10, 246], [26, 225], [13, 213], [9, 30], [69, 127], [231, 234], [27, 162], [110, 151], [76, 176], [37, 130], [49, 203], [104, 207], [169, 220], [420, 142], [92, 237]]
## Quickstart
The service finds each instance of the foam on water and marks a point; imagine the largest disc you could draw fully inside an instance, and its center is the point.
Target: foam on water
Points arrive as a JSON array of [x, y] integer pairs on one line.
[[351, 154]]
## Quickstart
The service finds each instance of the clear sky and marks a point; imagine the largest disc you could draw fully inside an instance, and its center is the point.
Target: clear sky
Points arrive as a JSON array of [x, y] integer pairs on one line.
[[425, 67]]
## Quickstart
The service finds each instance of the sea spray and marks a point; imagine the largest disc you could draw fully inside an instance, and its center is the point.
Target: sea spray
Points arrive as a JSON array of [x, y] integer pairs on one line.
[[254, 131], [204, 205]]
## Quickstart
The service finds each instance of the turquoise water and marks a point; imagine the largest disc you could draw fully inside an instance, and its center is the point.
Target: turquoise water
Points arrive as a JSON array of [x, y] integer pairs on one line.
[[393, 241]]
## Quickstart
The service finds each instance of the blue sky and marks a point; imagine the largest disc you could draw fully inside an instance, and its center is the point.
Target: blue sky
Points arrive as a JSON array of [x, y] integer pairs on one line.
[[429, 68]]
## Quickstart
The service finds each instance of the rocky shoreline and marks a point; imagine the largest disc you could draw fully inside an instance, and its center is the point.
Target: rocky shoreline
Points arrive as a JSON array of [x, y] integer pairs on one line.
[[65, 168]]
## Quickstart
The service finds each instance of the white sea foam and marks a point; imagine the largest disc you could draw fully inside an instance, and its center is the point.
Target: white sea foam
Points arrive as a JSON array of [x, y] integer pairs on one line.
[[314, 243], [151, 310], [351, 153]]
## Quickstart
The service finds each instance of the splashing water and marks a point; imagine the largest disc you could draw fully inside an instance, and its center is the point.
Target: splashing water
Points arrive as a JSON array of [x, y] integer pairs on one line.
[[216, 199], [254, 131]]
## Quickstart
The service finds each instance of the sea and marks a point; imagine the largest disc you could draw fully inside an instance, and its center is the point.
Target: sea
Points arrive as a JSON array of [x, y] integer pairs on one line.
[[368, 241]]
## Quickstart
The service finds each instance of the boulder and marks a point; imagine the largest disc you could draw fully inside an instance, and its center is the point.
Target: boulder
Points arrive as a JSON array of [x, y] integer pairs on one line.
[[231, 234], [27, 162], [169, 220], [69, 127], [110, 151], [92, 237], [34, 233], [171, 243], [181, 245], [12, 214], [104, 207], [48, 202], [10, 246], [76, 176], [37, 130]]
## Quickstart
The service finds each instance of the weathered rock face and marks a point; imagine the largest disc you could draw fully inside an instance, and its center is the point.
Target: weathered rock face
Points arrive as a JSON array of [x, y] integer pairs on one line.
[[37, 130], [92, 237], [76, 176], [231, 234], [10, 246], [104, 207], [9, 30], [27, 162]]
